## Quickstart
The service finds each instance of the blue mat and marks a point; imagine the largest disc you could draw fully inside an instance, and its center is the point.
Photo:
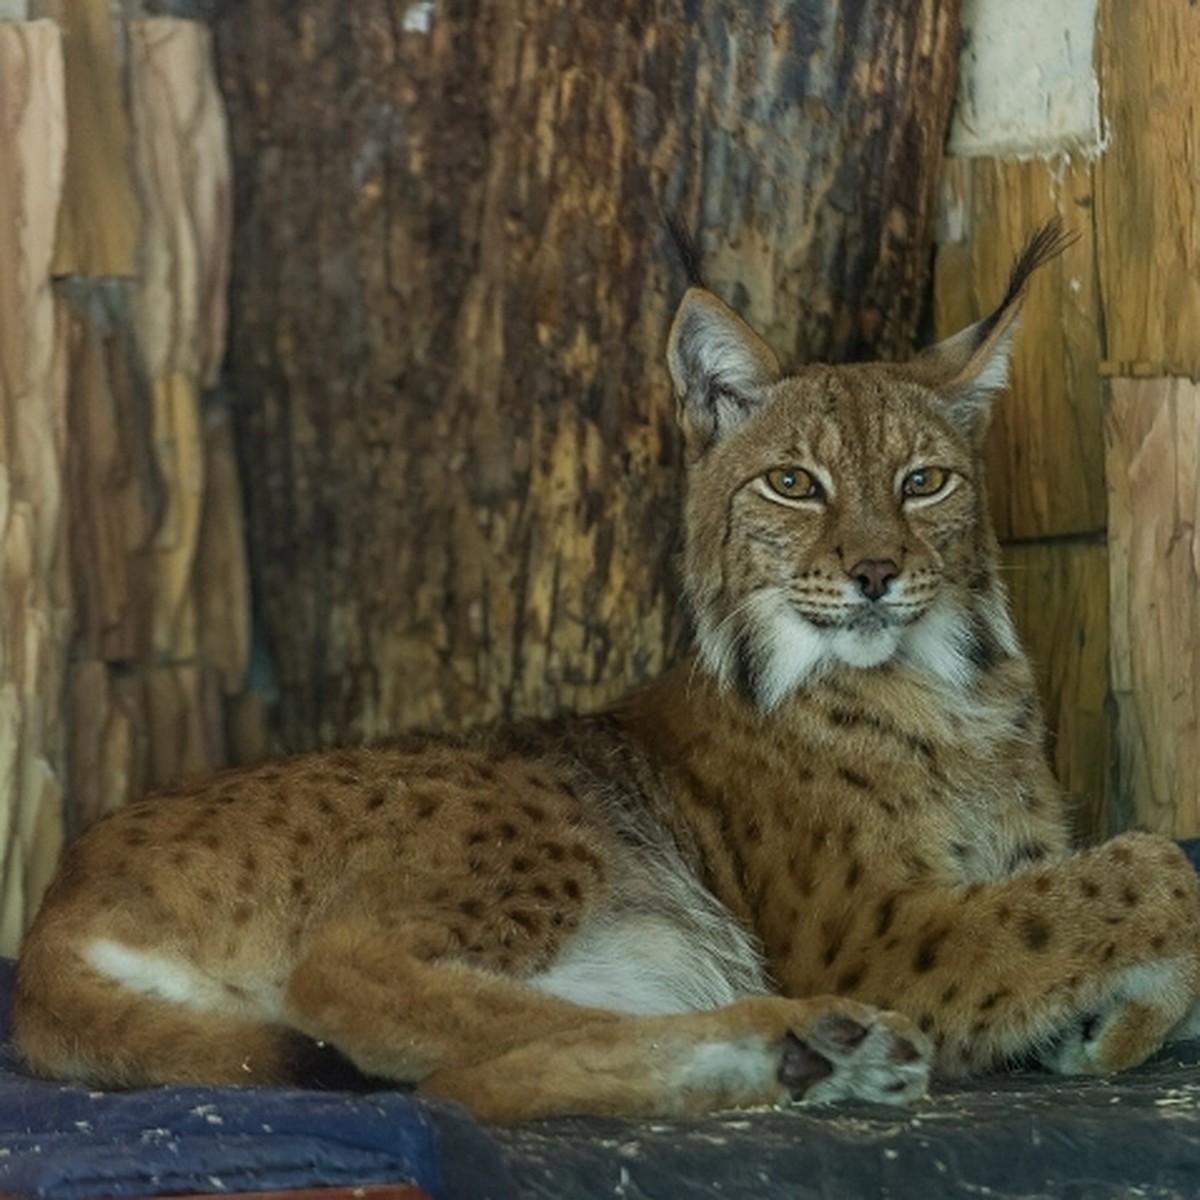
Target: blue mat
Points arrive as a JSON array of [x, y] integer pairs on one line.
[[66, 1142]]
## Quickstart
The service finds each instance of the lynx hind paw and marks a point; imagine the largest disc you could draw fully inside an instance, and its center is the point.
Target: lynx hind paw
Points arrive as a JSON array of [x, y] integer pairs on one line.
[[877, 1056], [1149, 1004]]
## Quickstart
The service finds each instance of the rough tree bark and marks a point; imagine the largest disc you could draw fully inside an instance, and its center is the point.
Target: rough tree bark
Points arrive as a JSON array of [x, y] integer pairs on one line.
[[451, 295]]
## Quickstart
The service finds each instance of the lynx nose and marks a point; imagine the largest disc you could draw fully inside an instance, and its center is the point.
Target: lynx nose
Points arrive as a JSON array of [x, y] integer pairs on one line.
[[873, 576]]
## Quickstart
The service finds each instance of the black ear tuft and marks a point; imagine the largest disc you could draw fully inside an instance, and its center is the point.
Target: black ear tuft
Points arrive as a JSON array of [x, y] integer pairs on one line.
[[969, 368], [687, 246], [1044, 246]]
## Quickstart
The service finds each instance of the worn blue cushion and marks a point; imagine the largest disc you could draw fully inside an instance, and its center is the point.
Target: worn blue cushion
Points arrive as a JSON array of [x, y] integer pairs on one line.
[[63, 1141]]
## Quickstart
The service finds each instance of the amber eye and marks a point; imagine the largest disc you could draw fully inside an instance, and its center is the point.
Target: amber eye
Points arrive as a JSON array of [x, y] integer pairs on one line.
[[925, 481], [794, 483]]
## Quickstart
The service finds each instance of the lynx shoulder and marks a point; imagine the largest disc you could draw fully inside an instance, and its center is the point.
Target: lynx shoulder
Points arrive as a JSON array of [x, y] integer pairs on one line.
[[821, 857]]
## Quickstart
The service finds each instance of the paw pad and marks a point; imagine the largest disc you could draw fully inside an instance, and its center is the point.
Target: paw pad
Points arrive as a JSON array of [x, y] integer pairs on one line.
[[800, 1066], [884, 1059]]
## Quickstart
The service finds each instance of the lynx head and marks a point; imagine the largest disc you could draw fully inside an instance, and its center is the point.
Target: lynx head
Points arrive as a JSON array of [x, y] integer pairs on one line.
[[836, 518]]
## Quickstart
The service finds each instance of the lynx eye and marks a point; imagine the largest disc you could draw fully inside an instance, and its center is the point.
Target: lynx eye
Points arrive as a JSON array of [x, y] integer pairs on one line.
[[925, 482], [794, 483]]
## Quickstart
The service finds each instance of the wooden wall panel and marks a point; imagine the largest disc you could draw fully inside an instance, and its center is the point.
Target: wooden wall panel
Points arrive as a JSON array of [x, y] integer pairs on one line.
[[33, 561], [1148, 239], [220, 576], [1154, 540], [134, 728], [1046, 448], [97, 232], [1060, 603], [1148, 186], [107, 745], [124, 601], [1121, 318], [181, 162], [114, 494]]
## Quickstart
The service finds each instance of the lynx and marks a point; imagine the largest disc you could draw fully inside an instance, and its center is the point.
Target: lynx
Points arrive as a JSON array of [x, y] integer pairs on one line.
[[819, 859]]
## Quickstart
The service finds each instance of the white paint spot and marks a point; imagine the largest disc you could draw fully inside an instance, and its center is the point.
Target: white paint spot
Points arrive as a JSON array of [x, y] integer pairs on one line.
[[418, 18], [1027, 86]]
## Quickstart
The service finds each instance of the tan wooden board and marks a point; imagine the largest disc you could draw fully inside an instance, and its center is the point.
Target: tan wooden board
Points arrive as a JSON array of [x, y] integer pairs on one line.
[[133, 728], [181, 161], [98, 223], [1148, 186], [1045, 451], [1154, 538], [220, 577], [33, 585], [107, 744], [113, 488], [1059, 593]]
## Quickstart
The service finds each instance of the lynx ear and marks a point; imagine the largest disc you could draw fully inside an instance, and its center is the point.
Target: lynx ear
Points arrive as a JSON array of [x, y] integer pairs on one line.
[[719, 366], [969, 368]]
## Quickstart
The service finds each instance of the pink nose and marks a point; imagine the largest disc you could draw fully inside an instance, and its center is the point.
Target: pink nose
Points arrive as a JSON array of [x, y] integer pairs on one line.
[[873, 576]]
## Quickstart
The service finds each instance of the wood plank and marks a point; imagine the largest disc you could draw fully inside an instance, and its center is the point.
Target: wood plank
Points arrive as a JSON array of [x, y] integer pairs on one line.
[[33, 559], [185, 720], [135, 728], [1059, 593], [1046, 449], [107, 744], [98, 221], [179, 453], [113, 486], [181, 158], [1148, 186], [1153, 430], [220, 577]]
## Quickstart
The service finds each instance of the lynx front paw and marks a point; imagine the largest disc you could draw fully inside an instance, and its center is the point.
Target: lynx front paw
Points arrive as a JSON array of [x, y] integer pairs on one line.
[[864, 1055]]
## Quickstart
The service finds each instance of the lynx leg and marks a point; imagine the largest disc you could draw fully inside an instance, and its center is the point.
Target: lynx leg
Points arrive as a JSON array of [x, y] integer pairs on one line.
[[509, 1052], [755, 1052], [397, 1010], [1088, 964], [74, 1022]]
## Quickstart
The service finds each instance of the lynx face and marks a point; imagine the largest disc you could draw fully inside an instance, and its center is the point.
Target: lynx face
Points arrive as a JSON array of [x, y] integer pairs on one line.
[[842, 524], [836, 516]]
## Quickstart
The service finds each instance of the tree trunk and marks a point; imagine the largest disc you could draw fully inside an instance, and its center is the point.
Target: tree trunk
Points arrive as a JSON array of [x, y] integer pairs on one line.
[[451, 293]]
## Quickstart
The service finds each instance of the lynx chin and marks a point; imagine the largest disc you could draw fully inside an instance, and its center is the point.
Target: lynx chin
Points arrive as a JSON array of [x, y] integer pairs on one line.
[[821, 858]]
